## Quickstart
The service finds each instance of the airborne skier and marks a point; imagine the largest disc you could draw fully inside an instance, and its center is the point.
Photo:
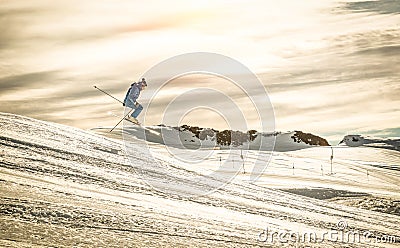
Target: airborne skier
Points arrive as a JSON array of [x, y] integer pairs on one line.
[[130, 99]]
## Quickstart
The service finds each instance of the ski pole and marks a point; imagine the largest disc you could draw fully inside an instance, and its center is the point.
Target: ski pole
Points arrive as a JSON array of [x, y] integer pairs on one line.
[[118, 101], [121, 120], [107, 94]]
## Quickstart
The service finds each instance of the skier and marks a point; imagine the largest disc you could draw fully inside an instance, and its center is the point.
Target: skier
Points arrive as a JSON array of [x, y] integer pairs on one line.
[[131, 97]]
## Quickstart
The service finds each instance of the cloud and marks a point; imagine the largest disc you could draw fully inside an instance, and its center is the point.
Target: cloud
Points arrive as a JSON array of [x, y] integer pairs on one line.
[[381, 51], [28, 25], [26, 80], [380, 6]]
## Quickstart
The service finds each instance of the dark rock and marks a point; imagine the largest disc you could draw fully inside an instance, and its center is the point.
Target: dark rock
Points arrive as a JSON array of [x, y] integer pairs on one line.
[[309, 139]]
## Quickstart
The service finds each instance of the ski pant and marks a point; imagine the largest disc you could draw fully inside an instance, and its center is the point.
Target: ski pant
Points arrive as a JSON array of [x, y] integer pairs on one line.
[[138, 108]]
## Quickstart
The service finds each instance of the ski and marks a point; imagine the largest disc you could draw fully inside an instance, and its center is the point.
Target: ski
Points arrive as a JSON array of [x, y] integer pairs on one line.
[[133, 122], [126, 118]]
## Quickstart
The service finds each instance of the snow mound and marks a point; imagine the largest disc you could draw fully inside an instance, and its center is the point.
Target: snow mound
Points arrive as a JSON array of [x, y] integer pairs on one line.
[[359, 140], [193, 137]]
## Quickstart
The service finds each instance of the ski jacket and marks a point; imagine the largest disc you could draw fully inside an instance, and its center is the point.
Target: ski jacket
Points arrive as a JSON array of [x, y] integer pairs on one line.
[[132, 94]]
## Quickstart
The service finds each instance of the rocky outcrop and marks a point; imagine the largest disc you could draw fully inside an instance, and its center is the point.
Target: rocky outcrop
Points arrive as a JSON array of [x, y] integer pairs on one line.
[[223, 138], [309, 139], [238, 138]]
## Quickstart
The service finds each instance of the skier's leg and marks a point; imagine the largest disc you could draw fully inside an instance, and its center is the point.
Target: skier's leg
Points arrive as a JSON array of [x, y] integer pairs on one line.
[[137, 111], [130, 104]]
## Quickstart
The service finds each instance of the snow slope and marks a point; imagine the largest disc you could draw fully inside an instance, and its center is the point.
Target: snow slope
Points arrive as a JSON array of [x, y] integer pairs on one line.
[[61, 186]]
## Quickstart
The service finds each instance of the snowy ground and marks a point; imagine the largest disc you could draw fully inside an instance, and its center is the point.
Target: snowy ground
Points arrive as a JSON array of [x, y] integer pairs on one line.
[[63, 187]]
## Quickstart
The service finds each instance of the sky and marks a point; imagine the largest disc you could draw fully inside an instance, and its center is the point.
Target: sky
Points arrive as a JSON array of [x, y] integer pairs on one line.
[[330, 67]]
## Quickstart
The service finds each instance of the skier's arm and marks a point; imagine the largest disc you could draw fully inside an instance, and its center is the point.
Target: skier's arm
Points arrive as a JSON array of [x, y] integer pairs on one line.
[[134, 94]]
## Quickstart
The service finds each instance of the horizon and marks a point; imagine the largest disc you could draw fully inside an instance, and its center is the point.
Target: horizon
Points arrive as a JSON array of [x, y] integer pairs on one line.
[[330, 68]]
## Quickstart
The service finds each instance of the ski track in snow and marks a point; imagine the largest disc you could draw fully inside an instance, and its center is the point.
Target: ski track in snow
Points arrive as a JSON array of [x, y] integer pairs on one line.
[[61, 186]]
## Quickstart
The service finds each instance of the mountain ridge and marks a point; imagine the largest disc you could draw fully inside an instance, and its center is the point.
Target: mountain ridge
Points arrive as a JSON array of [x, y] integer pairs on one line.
[[195, 137]]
